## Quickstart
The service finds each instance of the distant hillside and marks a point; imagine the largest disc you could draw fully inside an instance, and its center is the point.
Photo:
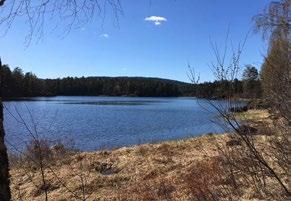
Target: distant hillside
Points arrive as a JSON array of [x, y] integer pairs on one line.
[[116, 86], [18, 84]]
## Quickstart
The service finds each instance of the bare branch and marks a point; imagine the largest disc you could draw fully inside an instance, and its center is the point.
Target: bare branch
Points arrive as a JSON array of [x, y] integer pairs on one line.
[[61, 15]]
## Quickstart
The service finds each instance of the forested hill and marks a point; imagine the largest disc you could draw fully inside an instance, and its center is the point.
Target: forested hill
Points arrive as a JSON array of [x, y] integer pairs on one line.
[[17, 84], [117, 86]]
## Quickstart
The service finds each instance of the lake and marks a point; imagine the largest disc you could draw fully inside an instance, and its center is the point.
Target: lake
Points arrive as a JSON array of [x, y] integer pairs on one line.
[[92, 123]]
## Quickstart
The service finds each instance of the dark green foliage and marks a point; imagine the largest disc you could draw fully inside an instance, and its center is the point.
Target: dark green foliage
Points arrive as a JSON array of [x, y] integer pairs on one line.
[[219, 89], [17, 84], [250, 73], [251, 83]]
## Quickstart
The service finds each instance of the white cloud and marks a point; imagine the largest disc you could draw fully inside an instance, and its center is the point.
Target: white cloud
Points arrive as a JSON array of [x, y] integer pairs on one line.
[[157, 20], [104, 35]]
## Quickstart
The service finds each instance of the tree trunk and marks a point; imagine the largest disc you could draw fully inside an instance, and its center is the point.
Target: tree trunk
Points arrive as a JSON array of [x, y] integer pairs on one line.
[[4, 171]]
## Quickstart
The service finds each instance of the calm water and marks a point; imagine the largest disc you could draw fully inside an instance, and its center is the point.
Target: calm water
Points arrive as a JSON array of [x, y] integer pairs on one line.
[[106, 122]]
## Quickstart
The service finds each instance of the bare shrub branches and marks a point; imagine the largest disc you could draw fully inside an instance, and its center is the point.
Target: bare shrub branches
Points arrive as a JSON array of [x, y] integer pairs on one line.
[[226, 65], [41, 156], [193, 76], [251, 151], [207, 180], [250, 158], [61, 15]]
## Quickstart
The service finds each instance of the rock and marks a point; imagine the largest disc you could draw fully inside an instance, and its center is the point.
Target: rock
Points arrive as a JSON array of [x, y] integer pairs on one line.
[[247, 130], [105, 168], [232, 143]]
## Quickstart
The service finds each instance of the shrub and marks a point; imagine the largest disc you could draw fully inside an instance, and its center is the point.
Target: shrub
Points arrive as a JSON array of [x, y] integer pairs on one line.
[[208, 180]]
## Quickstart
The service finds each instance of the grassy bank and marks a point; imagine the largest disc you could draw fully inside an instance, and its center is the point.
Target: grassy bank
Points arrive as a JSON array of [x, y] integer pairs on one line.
[[110, 174], [174, 170]]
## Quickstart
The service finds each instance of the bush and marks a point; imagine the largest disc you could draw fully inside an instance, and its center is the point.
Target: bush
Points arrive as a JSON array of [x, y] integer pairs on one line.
[[38, 150], [208, 180]]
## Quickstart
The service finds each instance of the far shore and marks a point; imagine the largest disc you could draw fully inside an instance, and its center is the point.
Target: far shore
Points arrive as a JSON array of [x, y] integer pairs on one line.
[[32, 98]]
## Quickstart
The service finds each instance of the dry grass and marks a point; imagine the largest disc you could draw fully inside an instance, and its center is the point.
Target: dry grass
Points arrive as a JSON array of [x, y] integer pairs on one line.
[[154, 169], [254, 116]]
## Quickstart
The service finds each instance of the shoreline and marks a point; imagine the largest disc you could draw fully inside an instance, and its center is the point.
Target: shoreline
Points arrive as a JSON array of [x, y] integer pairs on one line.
[[30, 98], [125, 168], [128, 173]]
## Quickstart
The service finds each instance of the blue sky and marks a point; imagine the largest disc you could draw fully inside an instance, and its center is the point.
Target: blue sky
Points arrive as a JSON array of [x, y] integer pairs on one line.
[[141, 45]]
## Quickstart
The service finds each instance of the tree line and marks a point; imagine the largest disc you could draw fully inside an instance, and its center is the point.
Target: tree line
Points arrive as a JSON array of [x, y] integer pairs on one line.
[[16, 83]]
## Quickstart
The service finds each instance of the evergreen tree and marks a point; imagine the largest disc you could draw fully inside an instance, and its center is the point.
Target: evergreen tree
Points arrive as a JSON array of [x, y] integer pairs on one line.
[[251, 84]]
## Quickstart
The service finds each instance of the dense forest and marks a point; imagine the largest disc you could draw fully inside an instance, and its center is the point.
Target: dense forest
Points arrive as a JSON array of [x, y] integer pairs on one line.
[[15, 83]]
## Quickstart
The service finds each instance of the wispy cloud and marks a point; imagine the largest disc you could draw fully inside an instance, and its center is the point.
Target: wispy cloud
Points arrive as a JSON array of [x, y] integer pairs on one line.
[[157, 20], [104, 35]]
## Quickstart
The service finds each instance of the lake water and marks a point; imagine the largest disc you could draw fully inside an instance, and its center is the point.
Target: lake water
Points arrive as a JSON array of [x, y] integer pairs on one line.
[[107, 122]]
